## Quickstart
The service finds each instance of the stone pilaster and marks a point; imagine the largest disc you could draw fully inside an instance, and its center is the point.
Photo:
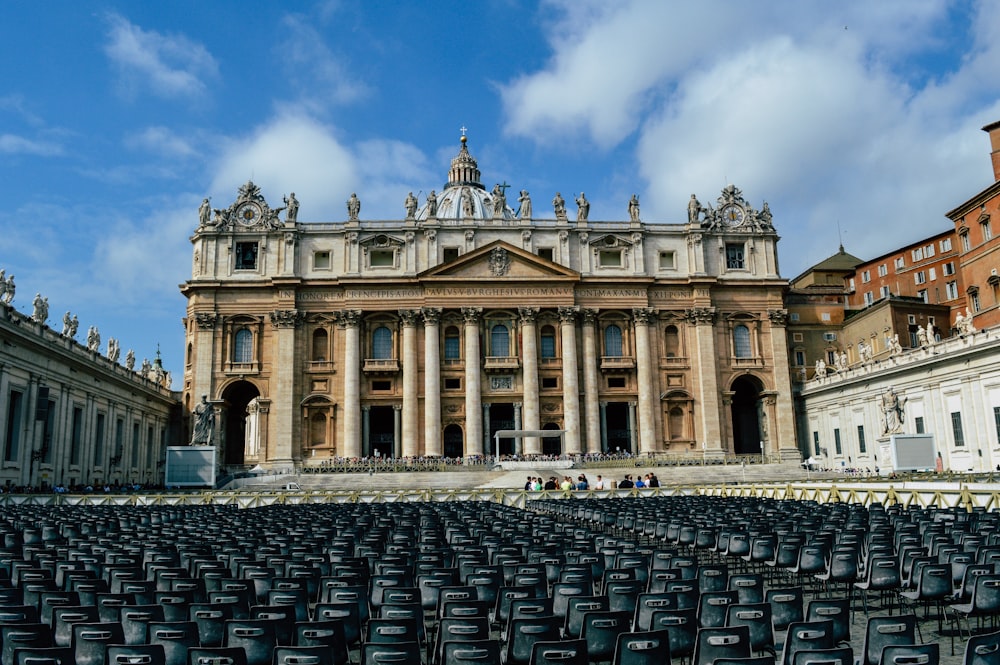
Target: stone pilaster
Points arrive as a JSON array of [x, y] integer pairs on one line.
[[782, 435], [647, 383], [529, 350], [351, 320], [473, 389], [411, 385], [707, 371], [432, 382], [284, 417], [596, 440], [571, 381]]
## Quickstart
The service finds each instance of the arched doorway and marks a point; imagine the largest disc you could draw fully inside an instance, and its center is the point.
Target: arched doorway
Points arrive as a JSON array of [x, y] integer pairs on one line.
[[551, 445], [453, 441], [237, 396], [747, 433]]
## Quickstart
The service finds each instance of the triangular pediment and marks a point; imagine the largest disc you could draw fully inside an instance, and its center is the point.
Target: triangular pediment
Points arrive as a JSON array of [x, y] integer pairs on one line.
[[500, 260]]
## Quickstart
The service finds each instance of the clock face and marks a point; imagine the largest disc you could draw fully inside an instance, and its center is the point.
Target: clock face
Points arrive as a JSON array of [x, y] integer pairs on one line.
[[248, 214], [733, 214]]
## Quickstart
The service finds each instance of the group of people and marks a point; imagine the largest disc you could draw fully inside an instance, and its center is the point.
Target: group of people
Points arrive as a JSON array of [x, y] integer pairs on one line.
[[535, 483]]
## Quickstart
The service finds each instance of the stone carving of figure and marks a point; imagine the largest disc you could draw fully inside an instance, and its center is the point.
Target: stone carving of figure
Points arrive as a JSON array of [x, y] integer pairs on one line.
[[820, 369], [467, 209], [68, 324], [862, 351], [167, 380], [353, 207], [3, 285], [130, 360], [967, 327], [894, 346], [633, 208], [411, 205], [694, 209], [892, 411], [204, 422], [765, 216], [524, 212], [114, 351], [499, 201], [931, 339], [291, 208], [74, 325], [842, 358], [41, 308], [559, 205], [582, 208], [432, 204], [93, 338], [921, 336], [8, 295], [145, 368], [204, 213]]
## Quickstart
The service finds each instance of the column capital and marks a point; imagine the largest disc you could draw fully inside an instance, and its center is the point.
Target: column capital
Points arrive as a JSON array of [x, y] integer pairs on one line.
[[527, 314], [206, 320], [700, 315], [471, 314], [779, 317], [432, 315], [517, 406], [569, 314], [287, 318], [589, 315], [643, 315], [349, 318], [486, 406], [409, 317], [397, 407]]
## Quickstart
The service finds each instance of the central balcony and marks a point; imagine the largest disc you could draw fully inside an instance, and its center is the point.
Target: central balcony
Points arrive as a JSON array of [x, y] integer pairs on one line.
[[500, 363], [617, 362], [381, 366]]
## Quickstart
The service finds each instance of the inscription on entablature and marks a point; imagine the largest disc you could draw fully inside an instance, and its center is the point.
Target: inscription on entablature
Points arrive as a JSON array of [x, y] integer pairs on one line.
[[611, 293], [670, 295], [381, 294], [497, 291]]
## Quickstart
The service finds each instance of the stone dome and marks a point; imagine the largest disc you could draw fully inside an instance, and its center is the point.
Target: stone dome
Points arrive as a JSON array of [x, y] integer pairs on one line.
[[464, 198]]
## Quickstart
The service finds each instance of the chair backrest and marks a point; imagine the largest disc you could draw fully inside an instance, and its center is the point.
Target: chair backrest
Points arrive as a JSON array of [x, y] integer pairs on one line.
[[651, 647], [44, 656], [682, 627], [577, 607], [725, 642], [176, 637], [65, 616], [982, 650], [393, 631], [837, 610], [315, 655], [601, 630], [258, 637], [749, 586], [523, 633], [217, 656], [911, 654], [566, 652], [882, 631], [347, 613], [328, 634], [136, 654], [786, 606], [649, 603], [832, 656], [23, 635], [757, 618], [482, 652], [807, 635], [90, 641], [713, 606]]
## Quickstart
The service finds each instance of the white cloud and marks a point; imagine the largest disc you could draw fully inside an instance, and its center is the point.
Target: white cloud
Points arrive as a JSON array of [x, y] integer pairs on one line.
[[169, 66], [161, 141], [311, 67], [11, 144]]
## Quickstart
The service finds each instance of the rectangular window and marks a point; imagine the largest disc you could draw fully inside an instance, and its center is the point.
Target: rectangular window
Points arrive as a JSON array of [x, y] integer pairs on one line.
[[976, 306], [734, 256], [794, 316], [668, 260], [382, 258], [134, 457], [452, 347], [99, 440], [12, 437], [453, 384], [922, 294], [550, 382], [918, 254], [850, 284], [546, 253], [918, 424], [119, 439], [900, 263], [246, 256], [76, 436], [931, 274], [869, 298], [321, 261], [862, 448], [800, 358], [797, 337], [816, 443], [50, 428], [616, 382], [836, 441], [929, 251], [948, 269], [381, 386], [548, 346], [451, 253], [920, 277], [883, 270], [825, 316], [951, 290], [987, 231], [883, 292], [831, 357], [956, 428], [866, 276], [609, 258], [945, 245], [966, 244]]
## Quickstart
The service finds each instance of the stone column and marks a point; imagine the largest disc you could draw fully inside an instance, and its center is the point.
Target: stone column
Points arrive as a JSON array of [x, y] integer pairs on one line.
[[571, 381], [350, 321], [488, 446], [397, 429], [648, 396], [203, 361], [529, 351], [604, 427], [285, 417], [473, 394], [517, 425], [782, 435], [432, 382], [706, 369], [633, 438], [410, 442], [596, 437]]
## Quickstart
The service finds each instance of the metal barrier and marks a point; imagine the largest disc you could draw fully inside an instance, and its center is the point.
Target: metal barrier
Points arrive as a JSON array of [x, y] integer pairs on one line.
[[971, 496]]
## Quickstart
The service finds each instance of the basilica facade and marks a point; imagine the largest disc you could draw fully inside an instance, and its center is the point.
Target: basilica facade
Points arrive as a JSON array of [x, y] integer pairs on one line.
[[476, 312]]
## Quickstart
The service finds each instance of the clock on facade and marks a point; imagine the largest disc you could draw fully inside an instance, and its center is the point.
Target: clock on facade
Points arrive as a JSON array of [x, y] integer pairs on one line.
[[248, 214], [733, 214]]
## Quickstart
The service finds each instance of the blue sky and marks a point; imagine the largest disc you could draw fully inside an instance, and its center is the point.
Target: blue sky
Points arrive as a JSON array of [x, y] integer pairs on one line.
[[117, 118]]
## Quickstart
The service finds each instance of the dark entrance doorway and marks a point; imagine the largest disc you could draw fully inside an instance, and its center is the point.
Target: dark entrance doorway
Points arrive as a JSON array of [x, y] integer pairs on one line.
[[381, 431], [453, 441], [619, 436], [551, 445], [747, 435], [237, 396], [501, 417]]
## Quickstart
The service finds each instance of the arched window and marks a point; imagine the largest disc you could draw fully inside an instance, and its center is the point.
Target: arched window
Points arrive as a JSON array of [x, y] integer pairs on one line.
[[499, 341], [676, 420], [243, 346], [320, 337], [548, 349], [317, 429], [382, 343], [741, 341], [613, 341], [452, 344], [672, 342]]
